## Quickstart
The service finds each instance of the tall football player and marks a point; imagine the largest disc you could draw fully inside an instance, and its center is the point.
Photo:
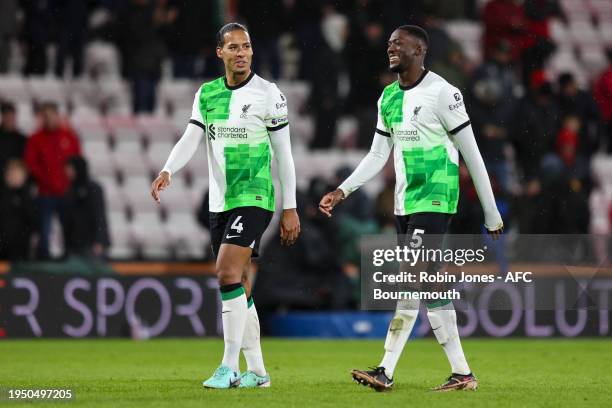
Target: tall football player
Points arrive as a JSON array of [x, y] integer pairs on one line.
[[244, 119]]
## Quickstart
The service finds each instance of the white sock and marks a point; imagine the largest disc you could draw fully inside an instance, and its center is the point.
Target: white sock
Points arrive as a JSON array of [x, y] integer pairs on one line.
[[234, 316], [399, 330], [251, 346], [443, 322]]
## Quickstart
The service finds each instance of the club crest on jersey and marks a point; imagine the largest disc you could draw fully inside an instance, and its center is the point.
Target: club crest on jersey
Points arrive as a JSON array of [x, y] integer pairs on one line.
[[245, 109], [415, 114]]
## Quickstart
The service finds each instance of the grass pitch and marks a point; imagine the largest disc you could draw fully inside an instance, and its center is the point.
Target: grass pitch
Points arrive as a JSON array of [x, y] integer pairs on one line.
[[168, 373]]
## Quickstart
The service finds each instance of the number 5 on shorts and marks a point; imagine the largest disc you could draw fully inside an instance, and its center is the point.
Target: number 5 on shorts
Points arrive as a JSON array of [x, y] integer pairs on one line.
[[236, 225], [417, 240]]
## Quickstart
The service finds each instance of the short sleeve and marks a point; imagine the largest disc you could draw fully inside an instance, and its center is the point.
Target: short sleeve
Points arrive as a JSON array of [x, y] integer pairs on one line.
[[381, 127], [451, 109], [196, 112], [276, 111]]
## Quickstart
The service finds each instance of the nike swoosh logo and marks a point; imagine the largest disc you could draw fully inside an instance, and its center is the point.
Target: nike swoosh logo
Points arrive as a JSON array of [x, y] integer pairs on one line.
[[226, 311], [210, 110], [231, 236]]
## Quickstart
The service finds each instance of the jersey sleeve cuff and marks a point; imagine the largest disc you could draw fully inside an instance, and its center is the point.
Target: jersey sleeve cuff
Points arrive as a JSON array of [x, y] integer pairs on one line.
[[197, 123], [383, 133], [459, 128], [275, 128]]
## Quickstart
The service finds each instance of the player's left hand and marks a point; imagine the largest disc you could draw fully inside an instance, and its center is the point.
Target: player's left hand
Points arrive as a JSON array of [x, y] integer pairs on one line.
[[289, 226], [495, 234]]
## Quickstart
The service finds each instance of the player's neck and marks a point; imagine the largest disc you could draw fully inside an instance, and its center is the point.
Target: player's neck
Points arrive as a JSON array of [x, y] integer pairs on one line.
[[408, 77], [236, 78]]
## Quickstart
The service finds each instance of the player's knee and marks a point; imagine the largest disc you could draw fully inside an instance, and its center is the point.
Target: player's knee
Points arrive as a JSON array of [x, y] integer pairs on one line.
[[228, 275]]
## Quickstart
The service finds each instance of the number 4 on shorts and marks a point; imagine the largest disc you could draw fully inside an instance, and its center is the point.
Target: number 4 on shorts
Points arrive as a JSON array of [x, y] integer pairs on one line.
[[236, 225]]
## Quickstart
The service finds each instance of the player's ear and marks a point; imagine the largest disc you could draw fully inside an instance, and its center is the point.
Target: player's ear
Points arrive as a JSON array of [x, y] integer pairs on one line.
[[219, 53]]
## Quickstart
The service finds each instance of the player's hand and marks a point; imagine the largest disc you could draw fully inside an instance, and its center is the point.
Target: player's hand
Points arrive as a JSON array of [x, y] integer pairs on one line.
[[159, 184], [329, 201], [495, 234], [289, 226]]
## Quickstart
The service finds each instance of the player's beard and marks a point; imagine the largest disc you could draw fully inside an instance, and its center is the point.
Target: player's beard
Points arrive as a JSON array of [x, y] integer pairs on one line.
[[399, 68]]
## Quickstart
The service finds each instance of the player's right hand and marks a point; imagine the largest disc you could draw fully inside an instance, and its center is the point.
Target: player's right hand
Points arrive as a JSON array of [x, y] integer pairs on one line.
[[159, 184], [329, 201]]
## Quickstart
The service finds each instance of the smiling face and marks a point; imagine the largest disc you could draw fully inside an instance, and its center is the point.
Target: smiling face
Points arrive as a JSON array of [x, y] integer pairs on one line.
[[404, 50], [236, 52]]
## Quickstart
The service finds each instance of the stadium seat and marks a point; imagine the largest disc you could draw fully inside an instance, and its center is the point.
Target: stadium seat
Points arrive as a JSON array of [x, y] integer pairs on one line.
[[176, 94], [186, 235], [113, 194], [593, 59], [47, 89], [157, 128], [122, 240], [102, 58], [14, 89], [98, 155], [149, 234], [583, 33], [137, 193], [129, 157], [157, 154], [178, 196]]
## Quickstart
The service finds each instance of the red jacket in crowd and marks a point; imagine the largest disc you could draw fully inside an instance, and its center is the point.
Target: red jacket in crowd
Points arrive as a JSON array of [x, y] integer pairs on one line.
[[603, 94], [46, 153]]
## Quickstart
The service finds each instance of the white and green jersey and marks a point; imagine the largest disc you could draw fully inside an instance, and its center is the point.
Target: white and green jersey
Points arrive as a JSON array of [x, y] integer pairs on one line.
[[236, 121], [420, 119]]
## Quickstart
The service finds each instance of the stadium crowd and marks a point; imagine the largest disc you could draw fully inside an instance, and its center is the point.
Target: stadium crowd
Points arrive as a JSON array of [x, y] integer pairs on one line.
[[537, 133]]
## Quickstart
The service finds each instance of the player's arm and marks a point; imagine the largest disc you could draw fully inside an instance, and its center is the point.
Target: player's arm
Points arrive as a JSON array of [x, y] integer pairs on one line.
[[454, 117], [182, 152], [369, 166], [277, 125]]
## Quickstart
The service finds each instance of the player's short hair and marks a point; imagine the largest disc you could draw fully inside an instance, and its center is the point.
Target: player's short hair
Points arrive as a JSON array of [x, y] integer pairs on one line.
[[415, 31], [228, 28]]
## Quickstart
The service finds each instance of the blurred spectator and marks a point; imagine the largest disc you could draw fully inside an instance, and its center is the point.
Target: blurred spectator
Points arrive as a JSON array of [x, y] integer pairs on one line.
[[535, 128], [37, 28], [359, 207], [452, 67], [262, 18], [72, 18], [142, 49], [538, 45], [8, 30], [574, 100], [306, 275], [384, 206], [328, 67], [188, 42], [18, 215], [12, 142], [603, 95], [491, 107], [46, 153], [85, 226], [567, 140], [504, 20], [366, 43], [440, 43]]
